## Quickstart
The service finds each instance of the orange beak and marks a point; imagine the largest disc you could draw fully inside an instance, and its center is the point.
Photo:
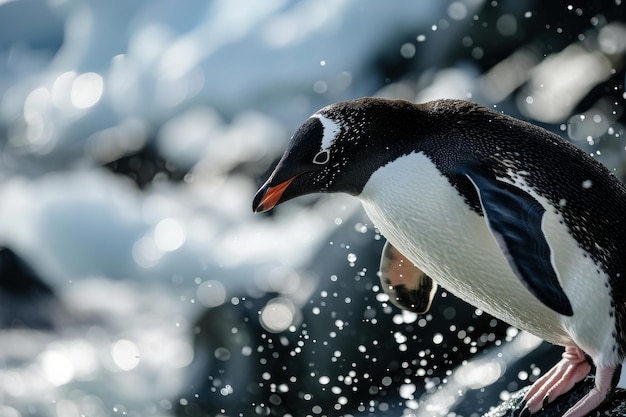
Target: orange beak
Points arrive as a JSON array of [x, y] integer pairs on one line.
[[267, 198]]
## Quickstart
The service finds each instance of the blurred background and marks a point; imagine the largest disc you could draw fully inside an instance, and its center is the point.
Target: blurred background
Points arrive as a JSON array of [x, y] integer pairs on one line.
[[134, 278]]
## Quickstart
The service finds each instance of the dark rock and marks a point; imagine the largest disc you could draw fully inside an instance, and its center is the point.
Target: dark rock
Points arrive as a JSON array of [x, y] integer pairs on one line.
[[145, 166], [614, 406], [25, 300]]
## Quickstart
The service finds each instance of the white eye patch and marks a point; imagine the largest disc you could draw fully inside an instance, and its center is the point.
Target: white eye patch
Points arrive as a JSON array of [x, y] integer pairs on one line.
[[321, 157], [331, 130]]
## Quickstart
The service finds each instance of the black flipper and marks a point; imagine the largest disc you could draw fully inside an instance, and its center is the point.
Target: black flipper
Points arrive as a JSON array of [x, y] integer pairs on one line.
[[406, 285], [514, 218]]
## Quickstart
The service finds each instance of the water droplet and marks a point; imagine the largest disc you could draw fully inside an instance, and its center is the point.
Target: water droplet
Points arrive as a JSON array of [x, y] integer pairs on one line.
[[351, 257], [211, 293], [457, 10], [320, 87], [407, 50], [477, 53], [407, 391], [222, 354], [277, 315], [507, 25]]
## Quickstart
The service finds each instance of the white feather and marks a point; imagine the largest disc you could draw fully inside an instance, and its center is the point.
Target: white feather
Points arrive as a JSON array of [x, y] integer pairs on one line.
[[422, 215], [331, 130]]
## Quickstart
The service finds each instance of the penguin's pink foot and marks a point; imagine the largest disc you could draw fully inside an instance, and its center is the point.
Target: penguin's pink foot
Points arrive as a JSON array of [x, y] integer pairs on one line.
[[560, 379], [595, 397]]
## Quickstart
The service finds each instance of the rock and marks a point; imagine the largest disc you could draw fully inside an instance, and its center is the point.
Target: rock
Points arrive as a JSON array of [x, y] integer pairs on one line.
[[512, 407], [25, 300]]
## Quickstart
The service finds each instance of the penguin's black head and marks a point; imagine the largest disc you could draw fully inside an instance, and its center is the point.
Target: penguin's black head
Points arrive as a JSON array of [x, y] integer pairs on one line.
[[307, 165], [335, 150]]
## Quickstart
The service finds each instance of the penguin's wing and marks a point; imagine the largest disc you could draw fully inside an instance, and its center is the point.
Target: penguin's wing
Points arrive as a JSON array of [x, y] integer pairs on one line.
[[514, 218], [406, 285]]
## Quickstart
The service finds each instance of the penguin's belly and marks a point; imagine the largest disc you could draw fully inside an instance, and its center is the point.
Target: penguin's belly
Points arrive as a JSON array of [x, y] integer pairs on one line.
[[422, 215]]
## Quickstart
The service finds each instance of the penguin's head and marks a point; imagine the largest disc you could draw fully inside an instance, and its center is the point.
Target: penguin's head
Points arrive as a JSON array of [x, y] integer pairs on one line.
[[307, 165], [337, 149]]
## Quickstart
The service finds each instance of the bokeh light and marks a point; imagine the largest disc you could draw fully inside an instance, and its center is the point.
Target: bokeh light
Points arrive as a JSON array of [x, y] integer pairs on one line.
[[211, 293], [86, 90], [277, 315], [125, 354]]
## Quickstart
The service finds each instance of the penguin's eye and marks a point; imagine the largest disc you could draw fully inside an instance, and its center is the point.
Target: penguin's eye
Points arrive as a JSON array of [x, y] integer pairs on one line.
[[322, 157]]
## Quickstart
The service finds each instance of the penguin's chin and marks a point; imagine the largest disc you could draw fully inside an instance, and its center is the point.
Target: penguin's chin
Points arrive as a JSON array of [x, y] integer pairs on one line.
[[269, 196]]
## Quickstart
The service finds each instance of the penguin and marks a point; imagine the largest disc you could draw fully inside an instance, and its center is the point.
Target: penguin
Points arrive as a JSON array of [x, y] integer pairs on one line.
[[504, 214]]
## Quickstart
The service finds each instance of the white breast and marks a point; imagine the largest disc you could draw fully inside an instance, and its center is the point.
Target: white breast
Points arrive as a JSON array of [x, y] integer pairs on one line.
[[420, 213]]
